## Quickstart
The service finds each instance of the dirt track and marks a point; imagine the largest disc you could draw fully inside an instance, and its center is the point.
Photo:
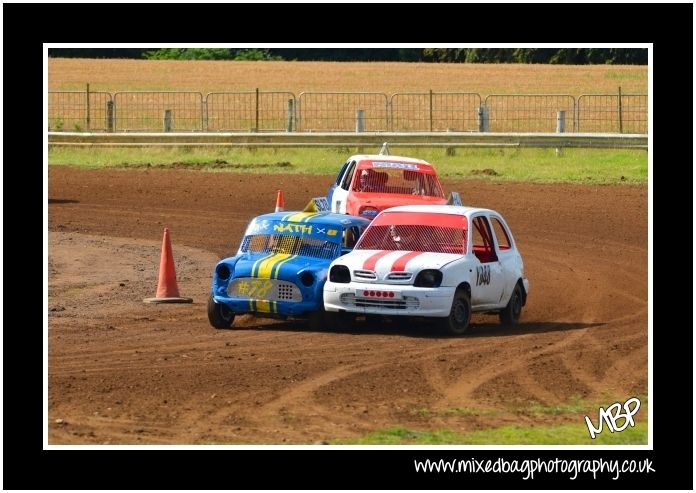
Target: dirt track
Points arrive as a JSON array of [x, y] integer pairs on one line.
[[121, 371]]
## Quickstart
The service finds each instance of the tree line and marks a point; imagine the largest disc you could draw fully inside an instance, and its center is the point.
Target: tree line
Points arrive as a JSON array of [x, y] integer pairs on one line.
[[573, 56]]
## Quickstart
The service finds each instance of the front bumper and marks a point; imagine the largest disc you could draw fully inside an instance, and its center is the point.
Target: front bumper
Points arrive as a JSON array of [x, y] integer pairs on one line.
[[268, 296], [260, 306], [388, 299]]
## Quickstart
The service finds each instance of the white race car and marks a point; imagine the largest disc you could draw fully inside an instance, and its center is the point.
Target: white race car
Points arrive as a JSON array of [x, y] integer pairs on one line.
[[439, 261]]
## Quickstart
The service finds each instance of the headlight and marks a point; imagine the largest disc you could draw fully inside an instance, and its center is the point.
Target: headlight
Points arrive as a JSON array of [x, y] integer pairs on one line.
[[307, 278], [223, 272], [428, 278], [339, 273]]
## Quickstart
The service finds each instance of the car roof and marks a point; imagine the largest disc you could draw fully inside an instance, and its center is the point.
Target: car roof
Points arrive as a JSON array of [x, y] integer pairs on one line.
[[388, 158], [329, 218], [441, 209]]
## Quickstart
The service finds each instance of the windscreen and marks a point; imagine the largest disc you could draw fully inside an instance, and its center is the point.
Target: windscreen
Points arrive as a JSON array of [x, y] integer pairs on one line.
[[397, 180], [303, 246], [420, 232]]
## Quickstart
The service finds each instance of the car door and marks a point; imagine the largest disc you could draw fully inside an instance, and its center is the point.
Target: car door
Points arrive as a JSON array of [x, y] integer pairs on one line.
[[339, 197], [337, 182], [488, 281], [508, 256]]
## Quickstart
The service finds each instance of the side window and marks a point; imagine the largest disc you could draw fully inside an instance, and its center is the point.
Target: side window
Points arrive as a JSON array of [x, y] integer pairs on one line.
[[350, 236], [501, 234], [482, 240], [347, 178], [340, 173]]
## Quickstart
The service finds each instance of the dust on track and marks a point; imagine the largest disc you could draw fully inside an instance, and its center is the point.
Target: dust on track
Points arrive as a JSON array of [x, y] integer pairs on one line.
[[123, 372]]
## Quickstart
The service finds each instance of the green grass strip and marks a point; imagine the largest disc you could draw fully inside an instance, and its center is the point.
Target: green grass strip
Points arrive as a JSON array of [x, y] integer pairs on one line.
[[596, 166], [567, 434]]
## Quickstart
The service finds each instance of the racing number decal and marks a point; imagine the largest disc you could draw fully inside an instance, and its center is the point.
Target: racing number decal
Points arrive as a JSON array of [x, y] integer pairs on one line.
[[483, 274], [259, 288], [256, 288]]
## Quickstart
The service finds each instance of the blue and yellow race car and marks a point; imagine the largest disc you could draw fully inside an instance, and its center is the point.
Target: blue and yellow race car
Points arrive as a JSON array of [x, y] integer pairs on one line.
[[281, 266]]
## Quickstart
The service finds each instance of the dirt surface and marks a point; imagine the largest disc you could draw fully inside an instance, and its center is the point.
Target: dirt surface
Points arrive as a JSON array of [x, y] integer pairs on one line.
[[113, 75], [125, 372]]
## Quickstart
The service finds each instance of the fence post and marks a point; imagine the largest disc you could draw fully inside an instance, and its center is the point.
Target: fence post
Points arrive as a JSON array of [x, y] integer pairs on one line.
[[360, 121], [109, 116], [560, 128], [482, 117], [577, 115], [167, 120], [88, 120], [256, 118], [291, 112], [431, 110], [620, 113], [360, 124], [204, 115], [450, 151]]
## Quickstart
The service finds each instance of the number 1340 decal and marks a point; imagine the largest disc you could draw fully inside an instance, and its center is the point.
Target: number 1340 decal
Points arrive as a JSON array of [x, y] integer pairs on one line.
[[483, 274]]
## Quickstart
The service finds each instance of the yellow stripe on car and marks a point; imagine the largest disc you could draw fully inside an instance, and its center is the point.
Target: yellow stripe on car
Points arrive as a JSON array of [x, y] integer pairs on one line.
[[263, 306], [255, 267], [301, 217], [276, 268], [264, 270]]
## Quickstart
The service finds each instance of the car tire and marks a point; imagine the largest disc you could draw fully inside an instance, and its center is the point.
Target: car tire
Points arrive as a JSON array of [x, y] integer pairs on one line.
[[510, 315], [457, 323], [219, 315]]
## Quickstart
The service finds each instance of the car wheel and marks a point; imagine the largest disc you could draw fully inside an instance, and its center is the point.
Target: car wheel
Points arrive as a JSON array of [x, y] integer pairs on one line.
[[510, 315], [460, 314], [219, 315]]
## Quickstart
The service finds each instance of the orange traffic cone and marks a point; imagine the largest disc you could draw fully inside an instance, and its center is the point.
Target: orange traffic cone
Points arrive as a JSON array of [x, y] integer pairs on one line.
[[167, 290], [280, 202]]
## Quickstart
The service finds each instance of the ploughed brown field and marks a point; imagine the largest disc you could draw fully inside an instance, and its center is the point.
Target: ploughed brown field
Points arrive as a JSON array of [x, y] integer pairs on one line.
[[125, 372], [387, 77]]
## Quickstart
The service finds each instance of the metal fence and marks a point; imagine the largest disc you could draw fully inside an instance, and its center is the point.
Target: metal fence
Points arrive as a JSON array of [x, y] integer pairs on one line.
[[529, 112], [611, 113], [447, 140], [145, 111], [274, 111], [338, 112], [78, 111], [434, 112], [250, 111]]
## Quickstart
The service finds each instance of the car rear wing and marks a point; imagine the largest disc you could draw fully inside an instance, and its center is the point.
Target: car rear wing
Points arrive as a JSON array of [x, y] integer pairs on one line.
[[454, 199]]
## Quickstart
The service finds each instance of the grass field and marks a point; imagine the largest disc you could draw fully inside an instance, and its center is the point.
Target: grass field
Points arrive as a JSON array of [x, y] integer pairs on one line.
[[387, 77], [565, 433], [536, 165], [568, 434]]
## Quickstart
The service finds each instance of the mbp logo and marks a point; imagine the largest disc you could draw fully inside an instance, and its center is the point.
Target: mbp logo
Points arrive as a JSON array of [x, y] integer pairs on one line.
[[613, 414]]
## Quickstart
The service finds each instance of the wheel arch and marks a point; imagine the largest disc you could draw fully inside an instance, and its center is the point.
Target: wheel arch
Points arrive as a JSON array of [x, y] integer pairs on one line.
[[524, 291], [464, 286]]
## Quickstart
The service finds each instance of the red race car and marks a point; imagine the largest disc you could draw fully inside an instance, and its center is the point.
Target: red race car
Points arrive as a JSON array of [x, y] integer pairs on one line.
[[370, 183]]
